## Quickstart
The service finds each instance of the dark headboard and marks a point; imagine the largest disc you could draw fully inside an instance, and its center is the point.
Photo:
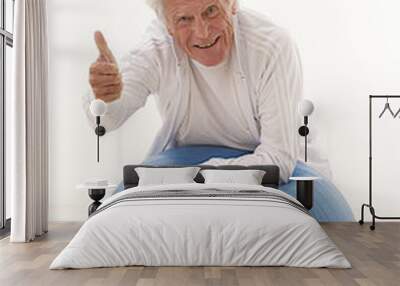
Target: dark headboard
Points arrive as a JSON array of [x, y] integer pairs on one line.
[[270, 179]]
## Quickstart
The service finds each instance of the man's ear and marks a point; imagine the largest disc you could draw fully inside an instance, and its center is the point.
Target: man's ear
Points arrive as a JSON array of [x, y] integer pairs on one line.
[[234, 7], [169, 32]]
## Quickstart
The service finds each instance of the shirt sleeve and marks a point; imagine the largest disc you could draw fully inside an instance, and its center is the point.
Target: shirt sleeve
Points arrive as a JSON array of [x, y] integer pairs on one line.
[[140, 78], [278, 94]]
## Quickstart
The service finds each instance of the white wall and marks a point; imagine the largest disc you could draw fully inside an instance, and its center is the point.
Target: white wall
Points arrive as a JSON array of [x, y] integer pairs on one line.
[[349, 49]]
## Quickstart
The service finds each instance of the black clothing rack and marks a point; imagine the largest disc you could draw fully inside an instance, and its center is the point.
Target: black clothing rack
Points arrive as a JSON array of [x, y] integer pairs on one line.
[[369, 205]]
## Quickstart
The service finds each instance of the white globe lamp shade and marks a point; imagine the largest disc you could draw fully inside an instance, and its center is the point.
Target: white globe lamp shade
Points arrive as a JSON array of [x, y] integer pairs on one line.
[[306, 107], [98, 107]]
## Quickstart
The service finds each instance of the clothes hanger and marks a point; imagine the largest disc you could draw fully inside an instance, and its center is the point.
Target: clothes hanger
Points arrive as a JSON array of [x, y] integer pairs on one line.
[[397, 113], [387, 107]]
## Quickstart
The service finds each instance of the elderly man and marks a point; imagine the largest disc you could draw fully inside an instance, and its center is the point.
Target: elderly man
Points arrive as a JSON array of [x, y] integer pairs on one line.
[[222, 76]]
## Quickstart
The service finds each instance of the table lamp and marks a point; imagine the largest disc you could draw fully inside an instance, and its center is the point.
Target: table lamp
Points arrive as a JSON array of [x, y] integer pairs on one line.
[[98, 108], [306, 107]]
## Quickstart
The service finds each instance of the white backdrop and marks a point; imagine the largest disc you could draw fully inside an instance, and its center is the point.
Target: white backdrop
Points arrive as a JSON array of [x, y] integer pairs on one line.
[[349, 49]]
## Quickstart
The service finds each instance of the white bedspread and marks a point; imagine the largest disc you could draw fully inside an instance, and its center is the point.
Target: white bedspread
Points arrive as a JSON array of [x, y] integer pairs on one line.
[[181, 231]]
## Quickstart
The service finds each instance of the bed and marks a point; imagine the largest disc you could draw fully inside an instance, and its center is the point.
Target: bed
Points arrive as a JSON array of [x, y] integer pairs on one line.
[[201, 224]]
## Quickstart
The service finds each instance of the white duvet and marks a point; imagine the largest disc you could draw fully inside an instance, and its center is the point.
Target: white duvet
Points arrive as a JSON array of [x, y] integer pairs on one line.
[[183, 231]]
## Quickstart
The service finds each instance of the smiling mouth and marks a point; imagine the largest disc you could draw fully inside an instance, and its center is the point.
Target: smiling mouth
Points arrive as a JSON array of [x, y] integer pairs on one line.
[[207, 46]]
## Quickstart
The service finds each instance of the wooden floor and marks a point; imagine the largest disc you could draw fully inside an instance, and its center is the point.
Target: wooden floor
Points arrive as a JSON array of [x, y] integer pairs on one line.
[[375, 257]]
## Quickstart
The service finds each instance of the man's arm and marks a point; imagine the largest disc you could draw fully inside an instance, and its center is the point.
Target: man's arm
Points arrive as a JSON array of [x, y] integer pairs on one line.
[[278, 95], [124, 90]]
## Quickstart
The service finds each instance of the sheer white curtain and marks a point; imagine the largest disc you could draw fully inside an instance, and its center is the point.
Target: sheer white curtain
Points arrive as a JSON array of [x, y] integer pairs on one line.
[[28, 123]]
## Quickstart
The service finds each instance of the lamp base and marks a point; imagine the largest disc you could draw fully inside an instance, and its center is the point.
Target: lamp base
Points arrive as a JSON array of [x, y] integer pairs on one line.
[[304, 131], [100, 130], [96, 195]]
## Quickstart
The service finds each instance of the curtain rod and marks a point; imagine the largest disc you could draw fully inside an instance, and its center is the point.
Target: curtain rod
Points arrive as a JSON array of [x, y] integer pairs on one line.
[[384, 96]]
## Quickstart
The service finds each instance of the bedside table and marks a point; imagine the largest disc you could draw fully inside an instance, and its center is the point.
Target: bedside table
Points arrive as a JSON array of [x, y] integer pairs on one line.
[[305, 190], [96, 193]]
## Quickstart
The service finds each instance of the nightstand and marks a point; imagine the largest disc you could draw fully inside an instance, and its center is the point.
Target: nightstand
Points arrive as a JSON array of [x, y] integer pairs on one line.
[[305, 190], [96, 193]]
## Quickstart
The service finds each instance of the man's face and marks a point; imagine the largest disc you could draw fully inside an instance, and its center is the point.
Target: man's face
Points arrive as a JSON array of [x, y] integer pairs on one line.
[[202, 28]]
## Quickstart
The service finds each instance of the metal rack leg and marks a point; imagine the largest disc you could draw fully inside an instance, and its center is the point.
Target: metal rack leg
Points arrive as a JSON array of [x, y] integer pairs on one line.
[[372, 210], [361, 221]]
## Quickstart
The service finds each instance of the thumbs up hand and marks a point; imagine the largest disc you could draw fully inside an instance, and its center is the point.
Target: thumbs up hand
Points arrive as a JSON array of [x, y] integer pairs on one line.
[[104, 76]]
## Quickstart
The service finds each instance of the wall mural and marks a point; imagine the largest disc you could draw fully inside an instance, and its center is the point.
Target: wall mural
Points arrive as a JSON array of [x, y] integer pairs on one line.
[[228, 84]]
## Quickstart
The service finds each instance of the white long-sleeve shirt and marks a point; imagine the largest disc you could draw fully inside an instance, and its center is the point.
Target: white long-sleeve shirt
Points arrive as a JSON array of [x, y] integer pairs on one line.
[[214, 115], [268, 74]]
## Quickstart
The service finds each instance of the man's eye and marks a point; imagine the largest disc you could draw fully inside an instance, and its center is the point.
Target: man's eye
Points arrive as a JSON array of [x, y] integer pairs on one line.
[[212, 11], [183, 19]]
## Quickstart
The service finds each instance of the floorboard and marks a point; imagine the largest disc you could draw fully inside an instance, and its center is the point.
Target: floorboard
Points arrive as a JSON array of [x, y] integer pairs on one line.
[[374, 255]]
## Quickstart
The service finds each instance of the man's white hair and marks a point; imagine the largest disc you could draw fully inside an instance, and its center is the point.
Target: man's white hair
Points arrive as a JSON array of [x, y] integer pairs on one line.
[[158, 7]]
